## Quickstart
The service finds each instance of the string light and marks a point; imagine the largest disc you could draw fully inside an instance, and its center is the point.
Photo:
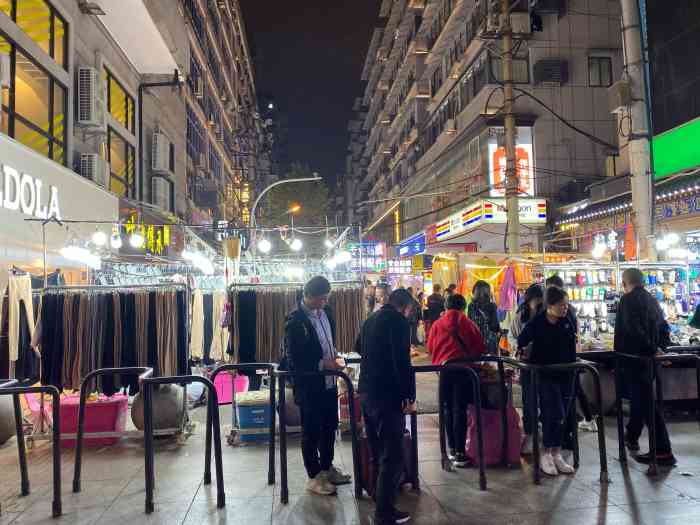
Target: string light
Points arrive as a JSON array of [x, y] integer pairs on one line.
[[264, 246]]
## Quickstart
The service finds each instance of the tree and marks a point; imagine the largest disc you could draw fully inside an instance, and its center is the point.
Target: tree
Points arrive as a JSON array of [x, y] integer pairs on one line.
[[312, 197]]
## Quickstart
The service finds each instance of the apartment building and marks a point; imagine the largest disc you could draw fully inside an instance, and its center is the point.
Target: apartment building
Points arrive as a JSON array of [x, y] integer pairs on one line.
[[430, 121], [227, 150]]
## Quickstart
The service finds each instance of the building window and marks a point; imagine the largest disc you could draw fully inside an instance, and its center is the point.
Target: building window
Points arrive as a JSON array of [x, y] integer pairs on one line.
[[119, 103], [599, 71], [35, 110], [196, 138], [122, 162], [40, 21]]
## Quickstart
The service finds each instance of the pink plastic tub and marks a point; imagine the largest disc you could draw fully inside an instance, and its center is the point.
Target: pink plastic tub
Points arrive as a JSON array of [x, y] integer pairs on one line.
[[223, 386]]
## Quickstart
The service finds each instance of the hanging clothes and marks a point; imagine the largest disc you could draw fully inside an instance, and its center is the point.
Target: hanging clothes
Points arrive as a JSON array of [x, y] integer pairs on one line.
[[197, 333], [19, 290], [221, 334], [208, 330]]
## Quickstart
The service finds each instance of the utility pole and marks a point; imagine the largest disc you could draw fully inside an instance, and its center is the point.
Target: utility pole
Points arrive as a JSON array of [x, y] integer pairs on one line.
[[511, 176], [640, 132]]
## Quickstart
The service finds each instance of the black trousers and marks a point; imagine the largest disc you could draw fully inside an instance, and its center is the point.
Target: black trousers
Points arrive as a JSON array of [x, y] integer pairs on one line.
[[457, 397], [640, 393], [385, 425], [319, 422]]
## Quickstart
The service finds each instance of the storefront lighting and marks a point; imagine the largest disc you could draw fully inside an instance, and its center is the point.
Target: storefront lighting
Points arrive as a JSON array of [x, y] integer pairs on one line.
[[343, 257], [82, 256], [672, 238], [331, 263], [678, 253], [296, 244], [199, 261], [136, 240], [264, 246], [99, 238], [661, 245], [115, 240], [328, 243], [294, 272]]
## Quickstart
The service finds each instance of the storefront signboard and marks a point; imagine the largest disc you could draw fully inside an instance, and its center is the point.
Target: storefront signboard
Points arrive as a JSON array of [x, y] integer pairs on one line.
[[524, 163], [532, 211], [680, 207], [368, 256], [399, 266], [23, 193], [414, 245]]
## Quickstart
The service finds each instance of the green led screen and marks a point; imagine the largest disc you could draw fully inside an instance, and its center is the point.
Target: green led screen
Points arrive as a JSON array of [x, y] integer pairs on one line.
[[677, 149]]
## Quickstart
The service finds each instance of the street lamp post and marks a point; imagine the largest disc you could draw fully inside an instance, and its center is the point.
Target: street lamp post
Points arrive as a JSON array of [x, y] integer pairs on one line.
[[315, 178]]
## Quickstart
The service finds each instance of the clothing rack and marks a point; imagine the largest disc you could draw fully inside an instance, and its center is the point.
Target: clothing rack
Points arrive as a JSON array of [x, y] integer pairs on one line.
[[179, 287]]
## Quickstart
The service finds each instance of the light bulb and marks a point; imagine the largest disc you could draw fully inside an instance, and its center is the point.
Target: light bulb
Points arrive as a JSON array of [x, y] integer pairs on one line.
[[296, 245], [661, 244], [343, 257], [264, 246], [328, 243], [99, 238], [115, 241], [672, 238], [136, 240]]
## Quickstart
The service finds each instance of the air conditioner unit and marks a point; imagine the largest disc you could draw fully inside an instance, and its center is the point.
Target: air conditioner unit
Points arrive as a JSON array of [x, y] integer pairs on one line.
[[219, 132], [619, 96], [160, 153], [5, 73], [160, 193], [198, 90], [90, 99], [95, 168]]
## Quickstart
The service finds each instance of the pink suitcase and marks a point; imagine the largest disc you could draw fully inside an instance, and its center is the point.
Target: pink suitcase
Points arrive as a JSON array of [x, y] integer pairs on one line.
[[492, 437]]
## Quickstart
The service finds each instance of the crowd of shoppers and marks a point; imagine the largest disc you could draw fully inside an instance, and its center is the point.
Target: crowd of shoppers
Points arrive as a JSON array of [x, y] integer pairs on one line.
[[544, 332]]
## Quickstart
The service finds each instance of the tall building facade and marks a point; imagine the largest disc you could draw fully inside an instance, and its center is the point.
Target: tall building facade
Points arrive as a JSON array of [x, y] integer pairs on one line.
[[124, 112], [430, 121], [226, 138]]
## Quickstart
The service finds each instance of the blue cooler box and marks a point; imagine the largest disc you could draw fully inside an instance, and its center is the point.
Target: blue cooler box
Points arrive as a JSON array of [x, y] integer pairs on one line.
[[253, 412]]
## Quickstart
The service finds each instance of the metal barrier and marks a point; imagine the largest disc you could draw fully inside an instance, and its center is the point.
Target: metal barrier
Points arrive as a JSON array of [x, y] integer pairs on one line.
[[650, 364], [577, 368], [282, 376], [256, 367], [10, 387], [212, 415], [476, 389], [142, 372]]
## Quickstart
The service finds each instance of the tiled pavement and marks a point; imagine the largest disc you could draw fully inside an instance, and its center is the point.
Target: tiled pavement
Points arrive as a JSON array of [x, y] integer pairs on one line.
[[113, 488]]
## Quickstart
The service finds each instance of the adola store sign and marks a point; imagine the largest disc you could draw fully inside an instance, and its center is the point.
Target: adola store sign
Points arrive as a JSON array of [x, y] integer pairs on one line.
[[25, 194]]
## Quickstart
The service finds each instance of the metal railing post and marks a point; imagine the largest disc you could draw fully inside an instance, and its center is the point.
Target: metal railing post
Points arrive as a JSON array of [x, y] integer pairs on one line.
[[284, 492], [10, 387], [142, 372], [255, 367], [213, 416]]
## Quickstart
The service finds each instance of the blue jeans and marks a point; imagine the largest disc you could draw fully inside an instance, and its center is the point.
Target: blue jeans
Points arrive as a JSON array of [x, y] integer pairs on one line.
[[555, 401]]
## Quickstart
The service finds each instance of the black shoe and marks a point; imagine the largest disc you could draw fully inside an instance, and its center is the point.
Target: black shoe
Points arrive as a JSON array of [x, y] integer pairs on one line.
[[663, 460], [396, 517], [401, 517], [461, 460], [632, 444], [452, 454]]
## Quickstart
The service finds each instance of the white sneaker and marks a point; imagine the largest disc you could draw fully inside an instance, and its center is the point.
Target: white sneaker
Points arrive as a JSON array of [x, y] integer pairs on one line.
[[320, 485], [562, 466], [336, 476], [547, 465], [526, 448], [588, 426]]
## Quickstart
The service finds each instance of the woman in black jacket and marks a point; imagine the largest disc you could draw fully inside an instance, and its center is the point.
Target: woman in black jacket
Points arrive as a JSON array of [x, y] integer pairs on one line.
[[482, 310], [553, 339]]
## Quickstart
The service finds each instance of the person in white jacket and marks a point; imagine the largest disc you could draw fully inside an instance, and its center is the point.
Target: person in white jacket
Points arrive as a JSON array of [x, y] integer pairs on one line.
[[529, 308]]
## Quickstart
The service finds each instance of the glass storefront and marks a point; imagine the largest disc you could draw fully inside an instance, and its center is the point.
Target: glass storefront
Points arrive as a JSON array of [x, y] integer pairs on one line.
[[122, 161], [34, 110], [40, 21]]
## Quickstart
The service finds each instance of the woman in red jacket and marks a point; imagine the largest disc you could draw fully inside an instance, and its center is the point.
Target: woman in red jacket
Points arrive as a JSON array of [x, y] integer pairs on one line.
[[455, 336]]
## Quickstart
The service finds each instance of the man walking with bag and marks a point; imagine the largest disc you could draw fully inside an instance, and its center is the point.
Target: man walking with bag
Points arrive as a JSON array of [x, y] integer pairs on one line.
[[388, 393], [310, 347]]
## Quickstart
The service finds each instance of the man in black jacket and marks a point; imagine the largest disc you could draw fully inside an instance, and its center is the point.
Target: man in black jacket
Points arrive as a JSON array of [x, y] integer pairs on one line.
[[310, 346], [639, 330], [388, 392]]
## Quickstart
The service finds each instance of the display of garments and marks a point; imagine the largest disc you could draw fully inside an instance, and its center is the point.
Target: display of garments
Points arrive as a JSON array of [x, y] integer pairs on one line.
[[258, 317], [208, 330], [83, 330], [221, 334], [197, 333], [19, 290]]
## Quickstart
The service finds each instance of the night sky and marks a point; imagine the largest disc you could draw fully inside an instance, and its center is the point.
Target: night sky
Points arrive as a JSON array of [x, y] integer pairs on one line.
[[309, 56]]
